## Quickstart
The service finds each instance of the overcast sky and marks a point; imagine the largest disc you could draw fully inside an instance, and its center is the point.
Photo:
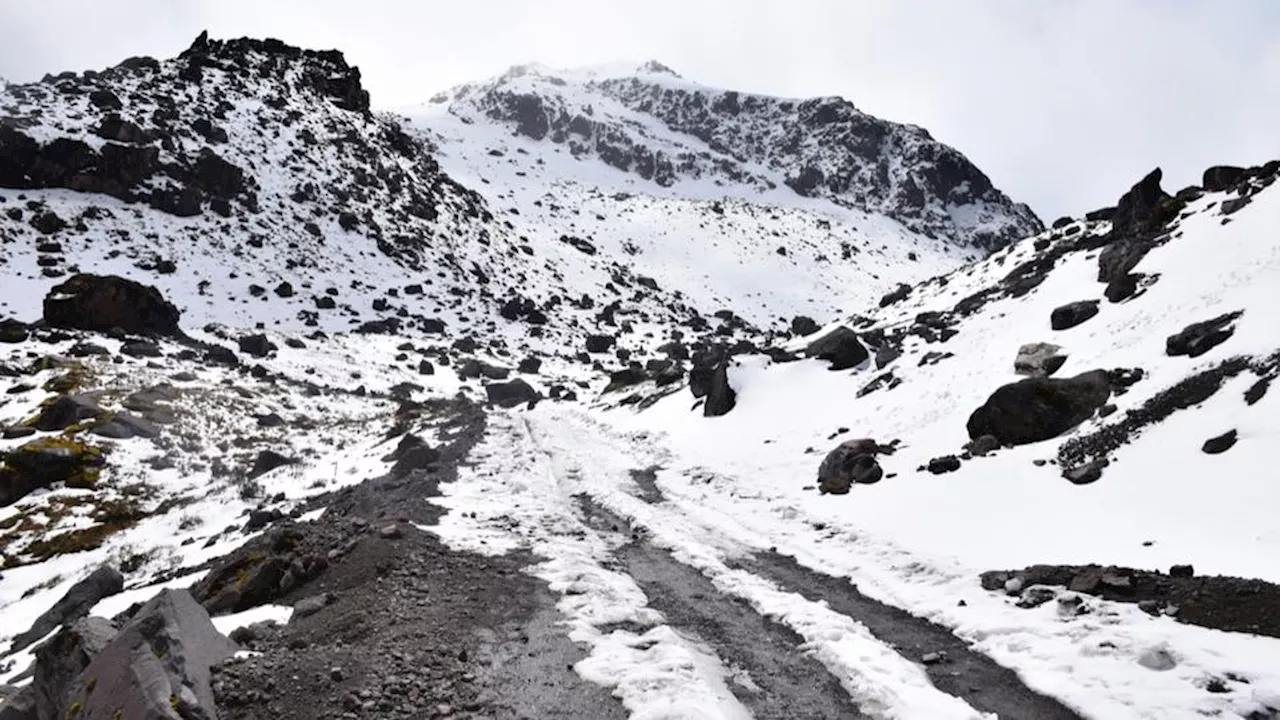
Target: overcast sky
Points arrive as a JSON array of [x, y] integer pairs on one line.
[[1064, 103]]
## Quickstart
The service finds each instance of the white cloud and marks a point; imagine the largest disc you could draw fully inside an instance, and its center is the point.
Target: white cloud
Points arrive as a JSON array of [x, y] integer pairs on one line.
[[1064, 103]]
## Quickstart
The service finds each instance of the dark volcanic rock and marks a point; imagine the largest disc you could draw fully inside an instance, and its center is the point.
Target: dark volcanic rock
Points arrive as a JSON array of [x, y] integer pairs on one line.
[[61, 659], [1199, 338], [1072, 314], [599, 343], [269, 460], [944, 464], [105, 302], [257, 345], [841, 347], [12, 331], [1220, 444], [512, 393], [412, 453], [1138, 209], [851, 462], [721, 397], [66, 410], [157, 667], [45, 461], [75, 604], [1038, 409], [1222, 177], [801, 325]]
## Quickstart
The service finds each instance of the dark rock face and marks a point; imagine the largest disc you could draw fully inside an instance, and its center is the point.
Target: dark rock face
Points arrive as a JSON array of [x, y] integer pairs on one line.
[[851, 462], [721, 397], [158, 666], [1222, 177], [512, 393], [101, 583], [1039, 409], [61, 660], [1072, 314], [840, 347], [1138, 209], [1199, 338], [1220, 444], [65, 411], [106, 302]]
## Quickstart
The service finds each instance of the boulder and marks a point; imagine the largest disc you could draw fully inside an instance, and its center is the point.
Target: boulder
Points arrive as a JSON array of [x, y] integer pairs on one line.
[[1138, 209], [471, 369], [512, 393], [64, 411], [268, 460], [257, 345], [12, 331], [75, 604], [412, 453], [122, 426], [1221, 443], [1038, 409], [45, 461], [599, 343], [286, 556], [158, 666], [1038, 359], [851, 462], [802, 325], [1222, 177], [898, 294], [1199, 338], [944, 464], [61, 660], [840, 347], [1070, 315], [106, 302], [721, 397]]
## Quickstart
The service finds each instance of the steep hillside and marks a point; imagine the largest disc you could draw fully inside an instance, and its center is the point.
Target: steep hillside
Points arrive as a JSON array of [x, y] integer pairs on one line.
[[678, 134]]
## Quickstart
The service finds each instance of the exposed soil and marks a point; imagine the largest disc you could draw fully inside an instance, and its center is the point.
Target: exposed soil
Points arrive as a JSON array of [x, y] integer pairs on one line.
[[1220, 603]]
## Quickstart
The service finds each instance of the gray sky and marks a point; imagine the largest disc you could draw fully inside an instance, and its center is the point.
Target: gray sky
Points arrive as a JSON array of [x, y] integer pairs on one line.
[[1064, 103]]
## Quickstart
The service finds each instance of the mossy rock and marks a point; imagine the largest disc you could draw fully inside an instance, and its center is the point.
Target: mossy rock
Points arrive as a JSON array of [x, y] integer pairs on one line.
[[43, 462]]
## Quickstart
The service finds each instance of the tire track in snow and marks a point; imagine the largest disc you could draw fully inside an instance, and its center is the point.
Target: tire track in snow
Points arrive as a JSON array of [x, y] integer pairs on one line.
[[771, 675]]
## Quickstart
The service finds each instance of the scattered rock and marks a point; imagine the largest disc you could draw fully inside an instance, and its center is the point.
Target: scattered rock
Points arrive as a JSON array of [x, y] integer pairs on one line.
[[105, 302], [512, 393], [721, 397], [1070, 315], [802, 325], [1038, 360], [840, 347], [158, 666], [1038, 409], [12, 331], [66, 410], [75, 604], [983, 445], [1199, 338], [257, 345], [412, 453], [599, 343], [945, 464], [851, 462], [312, 605], [1220, 444], [45, 461], [268, 460]]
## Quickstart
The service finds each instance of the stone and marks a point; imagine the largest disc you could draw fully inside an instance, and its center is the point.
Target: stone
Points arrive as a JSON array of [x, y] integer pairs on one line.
[[412, 453], [106, 302], [258, 346], [12, 331], [849, 463], [391, 532], [66, 410], [42, 462], [1070, 315], [1037, 409], [1220, 444], [983, 445], [1199, 338], [511, 393], [122, 426], [945, 464], [802, 325], [1038, 360], [721, 397], [158, 666], [1222, 177], [599, 343], [840, 347], [268, 460], [60, 660], [73, 605], [1182, 571], [140, 349], [312, 605], [1138, 210], [1158, 659]]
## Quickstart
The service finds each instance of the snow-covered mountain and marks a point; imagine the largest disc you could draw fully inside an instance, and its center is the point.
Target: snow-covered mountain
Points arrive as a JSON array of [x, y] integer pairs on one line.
[[761, 390], [677, 134]]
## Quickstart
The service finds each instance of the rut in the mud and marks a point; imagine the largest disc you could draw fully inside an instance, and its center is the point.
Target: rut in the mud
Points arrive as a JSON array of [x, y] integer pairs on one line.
[[775, 680]]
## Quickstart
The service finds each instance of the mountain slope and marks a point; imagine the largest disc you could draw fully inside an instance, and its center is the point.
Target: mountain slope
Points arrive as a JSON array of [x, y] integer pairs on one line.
[[649, 121]]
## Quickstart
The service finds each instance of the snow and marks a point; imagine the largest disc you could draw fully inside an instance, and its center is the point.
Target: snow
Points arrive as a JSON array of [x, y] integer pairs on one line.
[[263, 613]]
